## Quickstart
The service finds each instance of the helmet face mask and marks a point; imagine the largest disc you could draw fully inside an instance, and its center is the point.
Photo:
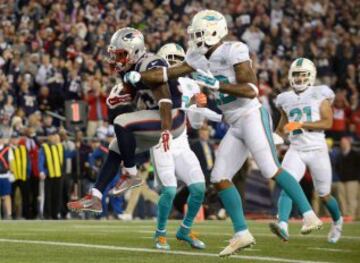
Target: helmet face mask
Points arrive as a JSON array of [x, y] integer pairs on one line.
[[302, 74], [118, 59]]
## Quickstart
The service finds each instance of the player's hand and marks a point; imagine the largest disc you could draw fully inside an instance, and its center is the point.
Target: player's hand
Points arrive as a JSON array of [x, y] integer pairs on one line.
[[201, 100], [165, 140], [206, 79], [132, 77], [114, 101], [292, 126]]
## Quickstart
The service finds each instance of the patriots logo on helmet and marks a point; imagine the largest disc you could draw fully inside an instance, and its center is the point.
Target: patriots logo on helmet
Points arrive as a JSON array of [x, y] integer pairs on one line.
[[131, 36]]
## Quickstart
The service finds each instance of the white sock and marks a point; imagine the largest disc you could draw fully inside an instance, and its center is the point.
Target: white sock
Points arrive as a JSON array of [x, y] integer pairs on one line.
[[131, 170], [284, 225], [242, 232], [95, 192], [310, 213]]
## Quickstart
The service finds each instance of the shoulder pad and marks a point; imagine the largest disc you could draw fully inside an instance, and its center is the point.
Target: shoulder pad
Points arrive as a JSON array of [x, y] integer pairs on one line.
[[151, 61]]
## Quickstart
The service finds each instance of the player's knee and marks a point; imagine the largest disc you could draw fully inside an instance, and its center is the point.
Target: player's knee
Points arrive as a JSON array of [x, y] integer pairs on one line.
[[325, 196], [167, 195], [122, 120], [197, 191]]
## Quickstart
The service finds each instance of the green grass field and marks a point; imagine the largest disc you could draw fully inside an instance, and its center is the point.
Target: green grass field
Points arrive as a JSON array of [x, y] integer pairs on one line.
[[115, 241]]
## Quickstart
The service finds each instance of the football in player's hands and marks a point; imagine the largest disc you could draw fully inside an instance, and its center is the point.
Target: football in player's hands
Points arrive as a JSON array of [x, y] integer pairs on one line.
[[120, 94]]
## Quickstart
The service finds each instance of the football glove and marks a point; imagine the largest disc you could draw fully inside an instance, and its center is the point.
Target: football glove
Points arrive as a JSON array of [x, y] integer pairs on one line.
[[115, 97], [206, 79], [132, 77], [292, 126]]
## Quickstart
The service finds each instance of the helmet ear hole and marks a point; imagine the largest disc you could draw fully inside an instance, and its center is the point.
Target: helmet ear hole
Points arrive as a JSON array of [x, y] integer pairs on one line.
[[214, 33]]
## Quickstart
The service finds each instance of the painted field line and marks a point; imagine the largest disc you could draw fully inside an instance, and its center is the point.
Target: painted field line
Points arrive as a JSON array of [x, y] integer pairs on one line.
[[255, 234], [331, 249], [148, 250]]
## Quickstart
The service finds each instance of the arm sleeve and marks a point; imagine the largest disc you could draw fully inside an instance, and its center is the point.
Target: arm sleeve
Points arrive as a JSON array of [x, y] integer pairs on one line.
[[327, 93], [278, 101], [239, 52]]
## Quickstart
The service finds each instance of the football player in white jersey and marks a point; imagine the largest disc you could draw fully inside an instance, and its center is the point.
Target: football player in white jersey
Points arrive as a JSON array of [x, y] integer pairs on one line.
[[305, 114], [225, 69], [180, 163]]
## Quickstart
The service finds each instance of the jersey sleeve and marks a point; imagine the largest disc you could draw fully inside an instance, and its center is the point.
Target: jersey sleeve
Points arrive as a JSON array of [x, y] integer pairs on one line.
[[279, 100], [327, 93], [239, 52]]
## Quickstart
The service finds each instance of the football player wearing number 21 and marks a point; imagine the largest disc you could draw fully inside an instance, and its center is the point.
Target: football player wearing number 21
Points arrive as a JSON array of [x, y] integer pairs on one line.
[[305, 114]]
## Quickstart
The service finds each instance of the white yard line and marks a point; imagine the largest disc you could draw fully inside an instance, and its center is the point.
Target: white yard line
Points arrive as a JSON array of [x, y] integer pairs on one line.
[[148, 250], [331, 249]]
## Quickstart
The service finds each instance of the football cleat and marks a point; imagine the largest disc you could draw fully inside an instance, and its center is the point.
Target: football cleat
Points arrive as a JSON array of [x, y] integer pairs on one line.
[[281, 232], [125, 183], [186, 235], [237, 243], [161, 241], [88, 203], [125, 217], [311, 223], [335, 231]]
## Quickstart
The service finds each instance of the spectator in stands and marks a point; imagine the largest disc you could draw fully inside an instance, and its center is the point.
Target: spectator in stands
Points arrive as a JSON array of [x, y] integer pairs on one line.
[[96, 99], [7, 156], [342, 111], [348, 169]]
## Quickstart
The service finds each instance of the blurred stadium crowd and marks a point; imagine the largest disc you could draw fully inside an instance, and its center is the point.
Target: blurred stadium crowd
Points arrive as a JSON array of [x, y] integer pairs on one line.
[[54, 51]]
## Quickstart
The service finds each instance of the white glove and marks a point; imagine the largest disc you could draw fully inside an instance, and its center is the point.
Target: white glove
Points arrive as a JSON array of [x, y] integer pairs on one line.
[[115, 97], [206, 79], [196, 60], [165, 140], [278, 140], [132, 77], [188, 88]]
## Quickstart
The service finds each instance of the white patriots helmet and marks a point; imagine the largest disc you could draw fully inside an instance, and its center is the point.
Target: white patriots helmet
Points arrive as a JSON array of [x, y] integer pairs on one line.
[[207, 28], [173, 53], [302, 74], [126, 47]]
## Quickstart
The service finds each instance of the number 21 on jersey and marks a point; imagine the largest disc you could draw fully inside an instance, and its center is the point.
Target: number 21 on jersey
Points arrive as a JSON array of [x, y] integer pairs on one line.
[[296, 114]]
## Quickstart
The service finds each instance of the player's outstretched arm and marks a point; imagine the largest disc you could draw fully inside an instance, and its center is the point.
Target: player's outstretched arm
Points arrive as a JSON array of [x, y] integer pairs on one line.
[[246, 82], [282, 122], [162, 95], [161, 75], [326, 118]]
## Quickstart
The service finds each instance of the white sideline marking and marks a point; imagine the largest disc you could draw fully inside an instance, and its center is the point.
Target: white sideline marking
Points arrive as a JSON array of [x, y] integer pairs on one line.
[[330, 249], [148, 250]]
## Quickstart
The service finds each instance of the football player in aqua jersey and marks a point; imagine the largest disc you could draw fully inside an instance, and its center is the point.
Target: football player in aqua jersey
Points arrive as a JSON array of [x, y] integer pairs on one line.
[[225, 69], [305, 114], [180, 162]]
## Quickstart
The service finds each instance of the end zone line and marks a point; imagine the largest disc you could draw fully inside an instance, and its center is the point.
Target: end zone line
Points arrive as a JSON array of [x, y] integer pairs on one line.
[[148, 250]]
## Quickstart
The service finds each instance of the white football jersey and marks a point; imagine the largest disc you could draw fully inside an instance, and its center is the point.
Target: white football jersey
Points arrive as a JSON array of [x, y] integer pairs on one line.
[[221, 65], [305, 107]]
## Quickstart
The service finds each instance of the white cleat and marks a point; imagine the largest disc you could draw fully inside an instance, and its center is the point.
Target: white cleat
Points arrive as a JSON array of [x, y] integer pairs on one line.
[[237, 243], [125, 217], [311, 223], [335, 231]]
